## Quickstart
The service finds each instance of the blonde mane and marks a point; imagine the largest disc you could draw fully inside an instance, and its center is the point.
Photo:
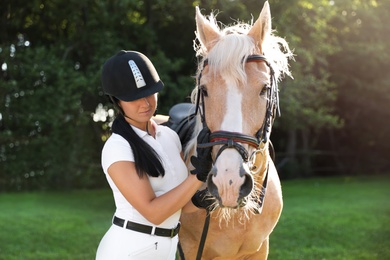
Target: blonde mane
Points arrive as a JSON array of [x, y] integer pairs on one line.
[[227, 55], [235, 45]]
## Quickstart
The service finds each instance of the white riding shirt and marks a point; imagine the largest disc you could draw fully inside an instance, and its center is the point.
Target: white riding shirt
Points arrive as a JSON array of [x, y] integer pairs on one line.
[[167, 145]]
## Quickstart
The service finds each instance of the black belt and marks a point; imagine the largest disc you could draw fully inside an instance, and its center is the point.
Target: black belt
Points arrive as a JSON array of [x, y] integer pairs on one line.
[[162, 232]]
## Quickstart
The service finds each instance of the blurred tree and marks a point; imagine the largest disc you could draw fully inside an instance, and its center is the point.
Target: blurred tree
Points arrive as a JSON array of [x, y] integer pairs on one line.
[[51, 53], [44, 139], [307, 102], [340, 92], [360, 69]]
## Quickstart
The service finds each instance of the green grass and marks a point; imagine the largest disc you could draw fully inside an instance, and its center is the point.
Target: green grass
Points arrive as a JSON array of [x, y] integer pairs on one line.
[[333, 218], [55, 225], [339, 218]]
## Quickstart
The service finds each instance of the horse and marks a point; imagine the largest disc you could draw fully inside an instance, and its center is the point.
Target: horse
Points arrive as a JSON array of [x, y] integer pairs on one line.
[[236, 97]]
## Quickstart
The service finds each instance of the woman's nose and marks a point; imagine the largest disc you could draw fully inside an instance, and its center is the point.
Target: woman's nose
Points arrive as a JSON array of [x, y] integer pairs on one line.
[[146, 101]]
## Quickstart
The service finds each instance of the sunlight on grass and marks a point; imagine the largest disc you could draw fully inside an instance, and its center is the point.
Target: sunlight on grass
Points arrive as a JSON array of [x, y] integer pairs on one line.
[[338, 218], [334, 218], [53, 225]]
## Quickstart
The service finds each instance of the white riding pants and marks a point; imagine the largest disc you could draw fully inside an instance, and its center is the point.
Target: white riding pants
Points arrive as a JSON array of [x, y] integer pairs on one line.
[[123, 244]]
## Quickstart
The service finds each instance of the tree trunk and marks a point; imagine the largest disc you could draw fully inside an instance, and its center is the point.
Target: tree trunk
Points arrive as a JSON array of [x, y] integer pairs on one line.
[[306, 153]]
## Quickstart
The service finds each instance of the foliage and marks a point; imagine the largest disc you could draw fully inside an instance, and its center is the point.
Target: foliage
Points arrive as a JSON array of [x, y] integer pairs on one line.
[[43, 114], [361, 70], [340, 89], [51, 85], [51, 53]]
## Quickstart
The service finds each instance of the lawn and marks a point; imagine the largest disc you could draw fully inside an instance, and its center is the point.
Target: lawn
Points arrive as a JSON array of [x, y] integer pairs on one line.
[[330, 218], [344, 218], [54, 225]]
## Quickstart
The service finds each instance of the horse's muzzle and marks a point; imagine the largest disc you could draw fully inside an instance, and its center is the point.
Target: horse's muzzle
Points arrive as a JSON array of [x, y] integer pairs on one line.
[[245, 188]]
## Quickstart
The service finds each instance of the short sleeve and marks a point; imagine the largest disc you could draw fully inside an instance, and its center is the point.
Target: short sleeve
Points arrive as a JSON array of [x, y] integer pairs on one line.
[[114, 150]]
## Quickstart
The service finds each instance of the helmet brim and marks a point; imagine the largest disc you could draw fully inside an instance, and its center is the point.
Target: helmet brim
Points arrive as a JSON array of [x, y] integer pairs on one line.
[[157, 87]]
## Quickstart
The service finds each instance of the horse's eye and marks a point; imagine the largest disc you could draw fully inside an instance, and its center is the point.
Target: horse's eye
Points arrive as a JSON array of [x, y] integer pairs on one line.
[[264, 90], [203, 89]]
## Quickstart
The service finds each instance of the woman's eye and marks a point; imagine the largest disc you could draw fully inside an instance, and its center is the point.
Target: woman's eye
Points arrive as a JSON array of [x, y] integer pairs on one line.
[[264, 90], [204, 90]]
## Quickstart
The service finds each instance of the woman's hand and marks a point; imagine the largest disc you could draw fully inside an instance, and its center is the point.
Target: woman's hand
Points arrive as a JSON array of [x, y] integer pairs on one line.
[[203, 199], [203, 161]]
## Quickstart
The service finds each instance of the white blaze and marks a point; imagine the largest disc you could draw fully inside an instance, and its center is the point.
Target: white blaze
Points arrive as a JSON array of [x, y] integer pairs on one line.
[[228, 179], [233, 116]]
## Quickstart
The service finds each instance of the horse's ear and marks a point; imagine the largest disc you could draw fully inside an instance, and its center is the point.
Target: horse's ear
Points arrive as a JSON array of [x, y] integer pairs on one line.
[[262, 27], [206, 30]]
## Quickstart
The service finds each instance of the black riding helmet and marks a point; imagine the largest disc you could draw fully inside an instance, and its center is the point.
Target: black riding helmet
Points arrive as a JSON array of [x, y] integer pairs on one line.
[[130, 75]]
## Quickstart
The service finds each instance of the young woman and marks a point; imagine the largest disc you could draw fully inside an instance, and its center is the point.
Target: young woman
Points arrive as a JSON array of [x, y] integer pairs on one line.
[[144, 167]]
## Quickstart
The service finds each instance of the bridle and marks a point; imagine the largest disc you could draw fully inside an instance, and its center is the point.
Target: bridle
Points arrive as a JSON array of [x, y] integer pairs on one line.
[[233, 139]]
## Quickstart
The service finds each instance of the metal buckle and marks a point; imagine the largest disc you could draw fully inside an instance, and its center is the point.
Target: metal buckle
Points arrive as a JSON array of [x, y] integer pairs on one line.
[[175, 230]]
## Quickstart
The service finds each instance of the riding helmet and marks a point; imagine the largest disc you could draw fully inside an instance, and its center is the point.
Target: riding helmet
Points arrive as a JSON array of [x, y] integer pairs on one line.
[[130, 75]]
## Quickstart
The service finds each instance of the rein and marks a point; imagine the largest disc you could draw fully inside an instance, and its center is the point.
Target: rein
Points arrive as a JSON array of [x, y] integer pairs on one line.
[[235, 140]]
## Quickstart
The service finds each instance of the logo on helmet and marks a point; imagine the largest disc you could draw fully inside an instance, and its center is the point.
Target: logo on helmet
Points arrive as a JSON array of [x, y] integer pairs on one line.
[[139, 79]]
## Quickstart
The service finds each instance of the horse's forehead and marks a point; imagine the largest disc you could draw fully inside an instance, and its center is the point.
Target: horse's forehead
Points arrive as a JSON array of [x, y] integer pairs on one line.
[[236, 105], [233, 118], [216, 108], [257, 78]]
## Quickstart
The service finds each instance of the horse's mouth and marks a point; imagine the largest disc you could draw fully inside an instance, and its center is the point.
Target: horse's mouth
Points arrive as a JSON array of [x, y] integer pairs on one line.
[[240, 204], [220, 204], [241, 201]]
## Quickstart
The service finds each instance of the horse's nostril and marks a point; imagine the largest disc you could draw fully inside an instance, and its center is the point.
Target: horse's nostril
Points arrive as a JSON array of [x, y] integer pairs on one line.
[[247, 186]]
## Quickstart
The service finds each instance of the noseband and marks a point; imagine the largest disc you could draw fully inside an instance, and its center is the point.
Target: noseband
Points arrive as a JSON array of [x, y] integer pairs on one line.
[[233, 139]]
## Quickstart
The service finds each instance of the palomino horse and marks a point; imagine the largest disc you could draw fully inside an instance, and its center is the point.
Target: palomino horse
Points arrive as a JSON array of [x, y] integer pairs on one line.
[[237, 98]]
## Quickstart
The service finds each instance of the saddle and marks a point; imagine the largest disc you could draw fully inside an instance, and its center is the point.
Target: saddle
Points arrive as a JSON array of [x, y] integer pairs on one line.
[[182, 121]]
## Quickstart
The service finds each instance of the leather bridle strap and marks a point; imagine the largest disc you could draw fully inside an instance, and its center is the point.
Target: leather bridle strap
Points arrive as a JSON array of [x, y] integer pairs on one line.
[[207, 220], [204, 235], [272, 105], [262, 192], [220, 137], [231, 140]]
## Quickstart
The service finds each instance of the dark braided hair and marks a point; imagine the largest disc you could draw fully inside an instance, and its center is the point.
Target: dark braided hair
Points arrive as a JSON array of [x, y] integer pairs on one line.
[[145, 157]]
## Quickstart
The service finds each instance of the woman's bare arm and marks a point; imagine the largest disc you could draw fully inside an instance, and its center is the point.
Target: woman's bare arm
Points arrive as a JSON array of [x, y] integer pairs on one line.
[[139, 193]]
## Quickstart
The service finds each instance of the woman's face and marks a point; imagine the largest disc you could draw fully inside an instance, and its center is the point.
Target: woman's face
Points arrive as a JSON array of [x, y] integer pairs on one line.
[[139, 111]]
